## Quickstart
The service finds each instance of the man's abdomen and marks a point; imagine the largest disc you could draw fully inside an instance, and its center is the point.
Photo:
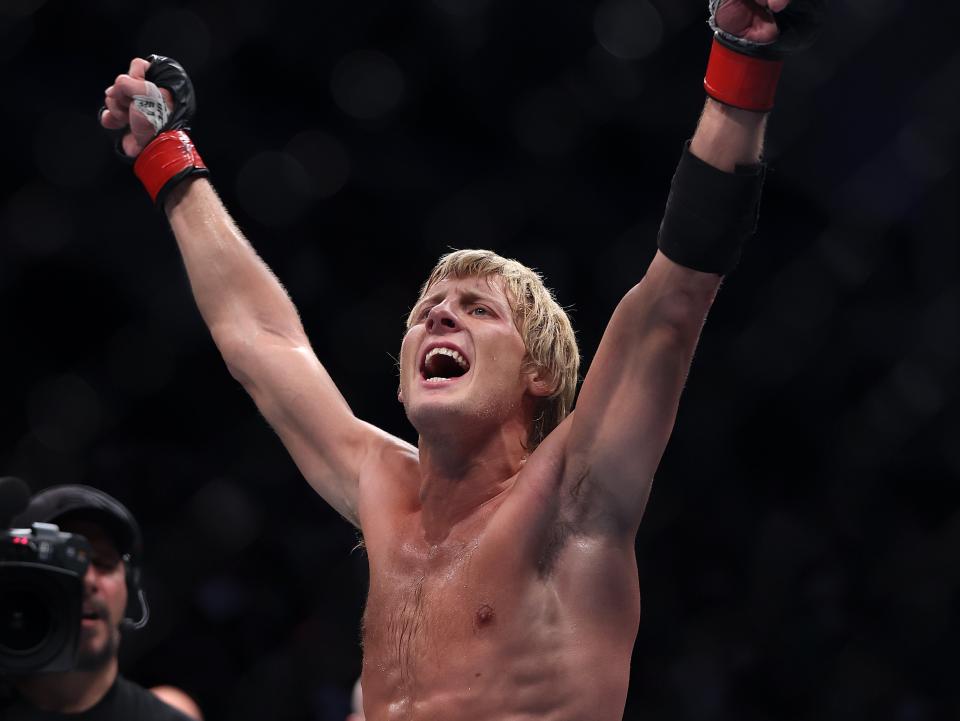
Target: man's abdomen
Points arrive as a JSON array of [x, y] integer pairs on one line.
[[442, 647]]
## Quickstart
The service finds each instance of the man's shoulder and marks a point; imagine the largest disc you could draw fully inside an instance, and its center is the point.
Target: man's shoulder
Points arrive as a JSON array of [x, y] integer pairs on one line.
[[391, 460], [134, 701], [391, 448]]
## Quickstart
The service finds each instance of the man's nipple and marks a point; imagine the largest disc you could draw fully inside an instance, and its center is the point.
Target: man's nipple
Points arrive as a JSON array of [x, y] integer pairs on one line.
[[484, 617]]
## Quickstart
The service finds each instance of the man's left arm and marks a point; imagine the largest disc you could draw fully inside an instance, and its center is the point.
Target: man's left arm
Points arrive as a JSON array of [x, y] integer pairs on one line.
[[628, 403]]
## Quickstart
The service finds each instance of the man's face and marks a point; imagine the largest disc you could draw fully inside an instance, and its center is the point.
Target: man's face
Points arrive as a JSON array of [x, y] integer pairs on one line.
[[463, 356], [104, 597]]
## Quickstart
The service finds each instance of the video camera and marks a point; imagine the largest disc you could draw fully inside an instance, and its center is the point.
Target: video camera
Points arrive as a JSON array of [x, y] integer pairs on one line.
[[41, 594], [41, 589]]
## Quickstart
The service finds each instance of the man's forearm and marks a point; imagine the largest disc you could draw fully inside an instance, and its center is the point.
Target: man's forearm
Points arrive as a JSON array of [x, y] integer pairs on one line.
[[715, 191], [237, 294], [727, 136]]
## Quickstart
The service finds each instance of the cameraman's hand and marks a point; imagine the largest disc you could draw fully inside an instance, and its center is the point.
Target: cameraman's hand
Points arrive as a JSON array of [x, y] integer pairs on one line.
[[121, 112], [751, 20]]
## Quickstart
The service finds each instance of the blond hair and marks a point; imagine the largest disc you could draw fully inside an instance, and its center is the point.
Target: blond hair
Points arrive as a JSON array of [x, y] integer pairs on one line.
[[543, 325]]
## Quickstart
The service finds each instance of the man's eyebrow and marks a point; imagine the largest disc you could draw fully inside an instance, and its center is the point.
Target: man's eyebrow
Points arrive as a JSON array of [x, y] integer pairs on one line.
[[426, 300], [466, 296], [472, 296]]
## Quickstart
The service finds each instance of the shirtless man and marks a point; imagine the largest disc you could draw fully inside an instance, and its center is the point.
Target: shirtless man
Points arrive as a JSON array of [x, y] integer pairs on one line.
[[503, 580]]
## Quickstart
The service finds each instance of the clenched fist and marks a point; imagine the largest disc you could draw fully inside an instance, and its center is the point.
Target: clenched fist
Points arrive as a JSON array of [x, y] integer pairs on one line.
[[751, 20], [154, 99], [126, 102]]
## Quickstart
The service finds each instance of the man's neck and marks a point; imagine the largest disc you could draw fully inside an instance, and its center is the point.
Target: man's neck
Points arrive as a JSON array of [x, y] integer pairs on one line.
[[69, 691], [460, 473]]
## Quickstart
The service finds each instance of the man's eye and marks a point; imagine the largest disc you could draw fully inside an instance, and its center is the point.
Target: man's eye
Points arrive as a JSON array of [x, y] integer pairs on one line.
[[480, 310]]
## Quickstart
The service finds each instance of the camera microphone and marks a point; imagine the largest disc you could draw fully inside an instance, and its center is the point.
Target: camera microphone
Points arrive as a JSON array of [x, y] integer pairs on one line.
[[14, 497]]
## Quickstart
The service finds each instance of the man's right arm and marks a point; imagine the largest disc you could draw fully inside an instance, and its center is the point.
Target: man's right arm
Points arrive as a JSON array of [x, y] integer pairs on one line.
[[259, 334], [252, 319]]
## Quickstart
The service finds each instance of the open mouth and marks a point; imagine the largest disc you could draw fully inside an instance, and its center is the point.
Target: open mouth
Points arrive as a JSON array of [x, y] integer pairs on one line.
[[90, 615], [442, 364]]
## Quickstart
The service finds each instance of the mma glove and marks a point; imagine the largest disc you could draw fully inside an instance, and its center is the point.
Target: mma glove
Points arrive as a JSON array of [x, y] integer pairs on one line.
[[171, 156], [743, 73]]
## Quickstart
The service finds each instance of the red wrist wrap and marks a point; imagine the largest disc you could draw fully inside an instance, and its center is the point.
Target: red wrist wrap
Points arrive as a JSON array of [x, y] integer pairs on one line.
[[169, 158], [742, 81]]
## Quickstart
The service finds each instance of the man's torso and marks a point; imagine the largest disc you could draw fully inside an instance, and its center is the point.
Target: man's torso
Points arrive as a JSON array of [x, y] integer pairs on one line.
[[515, 613]]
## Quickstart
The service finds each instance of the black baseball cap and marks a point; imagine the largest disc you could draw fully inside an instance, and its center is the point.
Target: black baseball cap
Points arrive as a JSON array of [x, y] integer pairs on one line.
[[77, 502]]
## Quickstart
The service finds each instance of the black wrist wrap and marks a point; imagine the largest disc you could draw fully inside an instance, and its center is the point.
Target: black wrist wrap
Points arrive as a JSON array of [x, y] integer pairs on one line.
[[709, 214]]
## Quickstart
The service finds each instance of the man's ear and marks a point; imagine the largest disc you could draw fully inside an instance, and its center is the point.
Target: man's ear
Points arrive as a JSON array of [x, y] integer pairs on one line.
[[400, 393], [539, 384]]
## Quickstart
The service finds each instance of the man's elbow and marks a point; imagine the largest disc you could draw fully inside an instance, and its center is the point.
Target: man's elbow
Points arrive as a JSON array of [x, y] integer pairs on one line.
[[683, 310], [235, 346], [243, 347], [672, 310]]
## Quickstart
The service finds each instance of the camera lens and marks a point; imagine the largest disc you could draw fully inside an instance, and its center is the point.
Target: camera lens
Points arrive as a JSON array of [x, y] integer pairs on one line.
[[25, 621]]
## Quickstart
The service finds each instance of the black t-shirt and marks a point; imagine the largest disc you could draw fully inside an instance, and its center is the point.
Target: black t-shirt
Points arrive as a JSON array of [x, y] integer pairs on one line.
[[125, 701]]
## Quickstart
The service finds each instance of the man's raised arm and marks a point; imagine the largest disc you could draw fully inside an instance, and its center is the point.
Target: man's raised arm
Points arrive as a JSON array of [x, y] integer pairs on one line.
[[250, 316], [628, 403]]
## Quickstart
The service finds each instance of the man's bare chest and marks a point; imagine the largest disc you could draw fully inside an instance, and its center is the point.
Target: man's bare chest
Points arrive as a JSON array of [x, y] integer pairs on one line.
[[434, 606]]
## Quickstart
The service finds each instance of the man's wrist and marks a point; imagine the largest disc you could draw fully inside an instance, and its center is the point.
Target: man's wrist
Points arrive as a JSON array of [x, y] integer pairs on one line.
[[750, 120], [727, 137], [178, 192]]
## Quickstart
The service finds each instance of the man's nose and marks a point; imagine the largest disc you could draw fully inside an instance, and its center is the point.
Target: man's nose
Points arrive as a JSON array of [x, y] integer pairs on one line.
[[441, 319], [90, 580]]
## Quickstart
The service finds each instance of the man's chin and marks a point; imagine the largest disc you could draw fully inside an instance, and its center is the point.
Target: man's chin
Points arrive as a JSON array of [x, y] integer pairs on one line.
[[437, 412], [96, 650]]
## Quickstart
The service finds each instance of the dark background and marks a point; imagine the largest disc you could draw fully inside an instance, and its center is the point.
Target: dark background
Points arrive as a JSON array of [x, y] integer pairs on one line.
[[800, 557]]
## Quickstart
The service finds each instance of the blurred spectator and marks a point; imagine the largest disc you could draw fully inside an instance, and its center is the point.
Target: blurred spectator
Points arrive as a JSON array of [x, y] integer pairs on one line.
[[179, 699], [356, 703]]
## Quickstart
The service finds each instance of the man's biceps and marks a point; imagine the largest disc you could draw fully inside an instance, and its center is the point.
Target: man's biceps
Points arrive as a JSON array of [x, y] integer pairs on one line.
[[297, 387], [633, 410], [328, 448], [629, 444], [322, 420]]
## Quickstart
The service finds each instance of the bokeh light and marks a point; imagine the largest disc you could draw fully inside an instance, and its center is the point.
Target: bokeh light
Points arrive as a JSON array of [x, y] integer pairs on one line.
[[628, 29], [273, 188], [179, 34], [367, 84]]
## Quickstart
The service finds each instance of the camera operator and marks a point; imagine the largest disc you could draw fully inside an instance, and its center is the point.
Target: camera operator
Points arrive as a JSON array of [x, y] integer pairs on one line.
[[94, 690]]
